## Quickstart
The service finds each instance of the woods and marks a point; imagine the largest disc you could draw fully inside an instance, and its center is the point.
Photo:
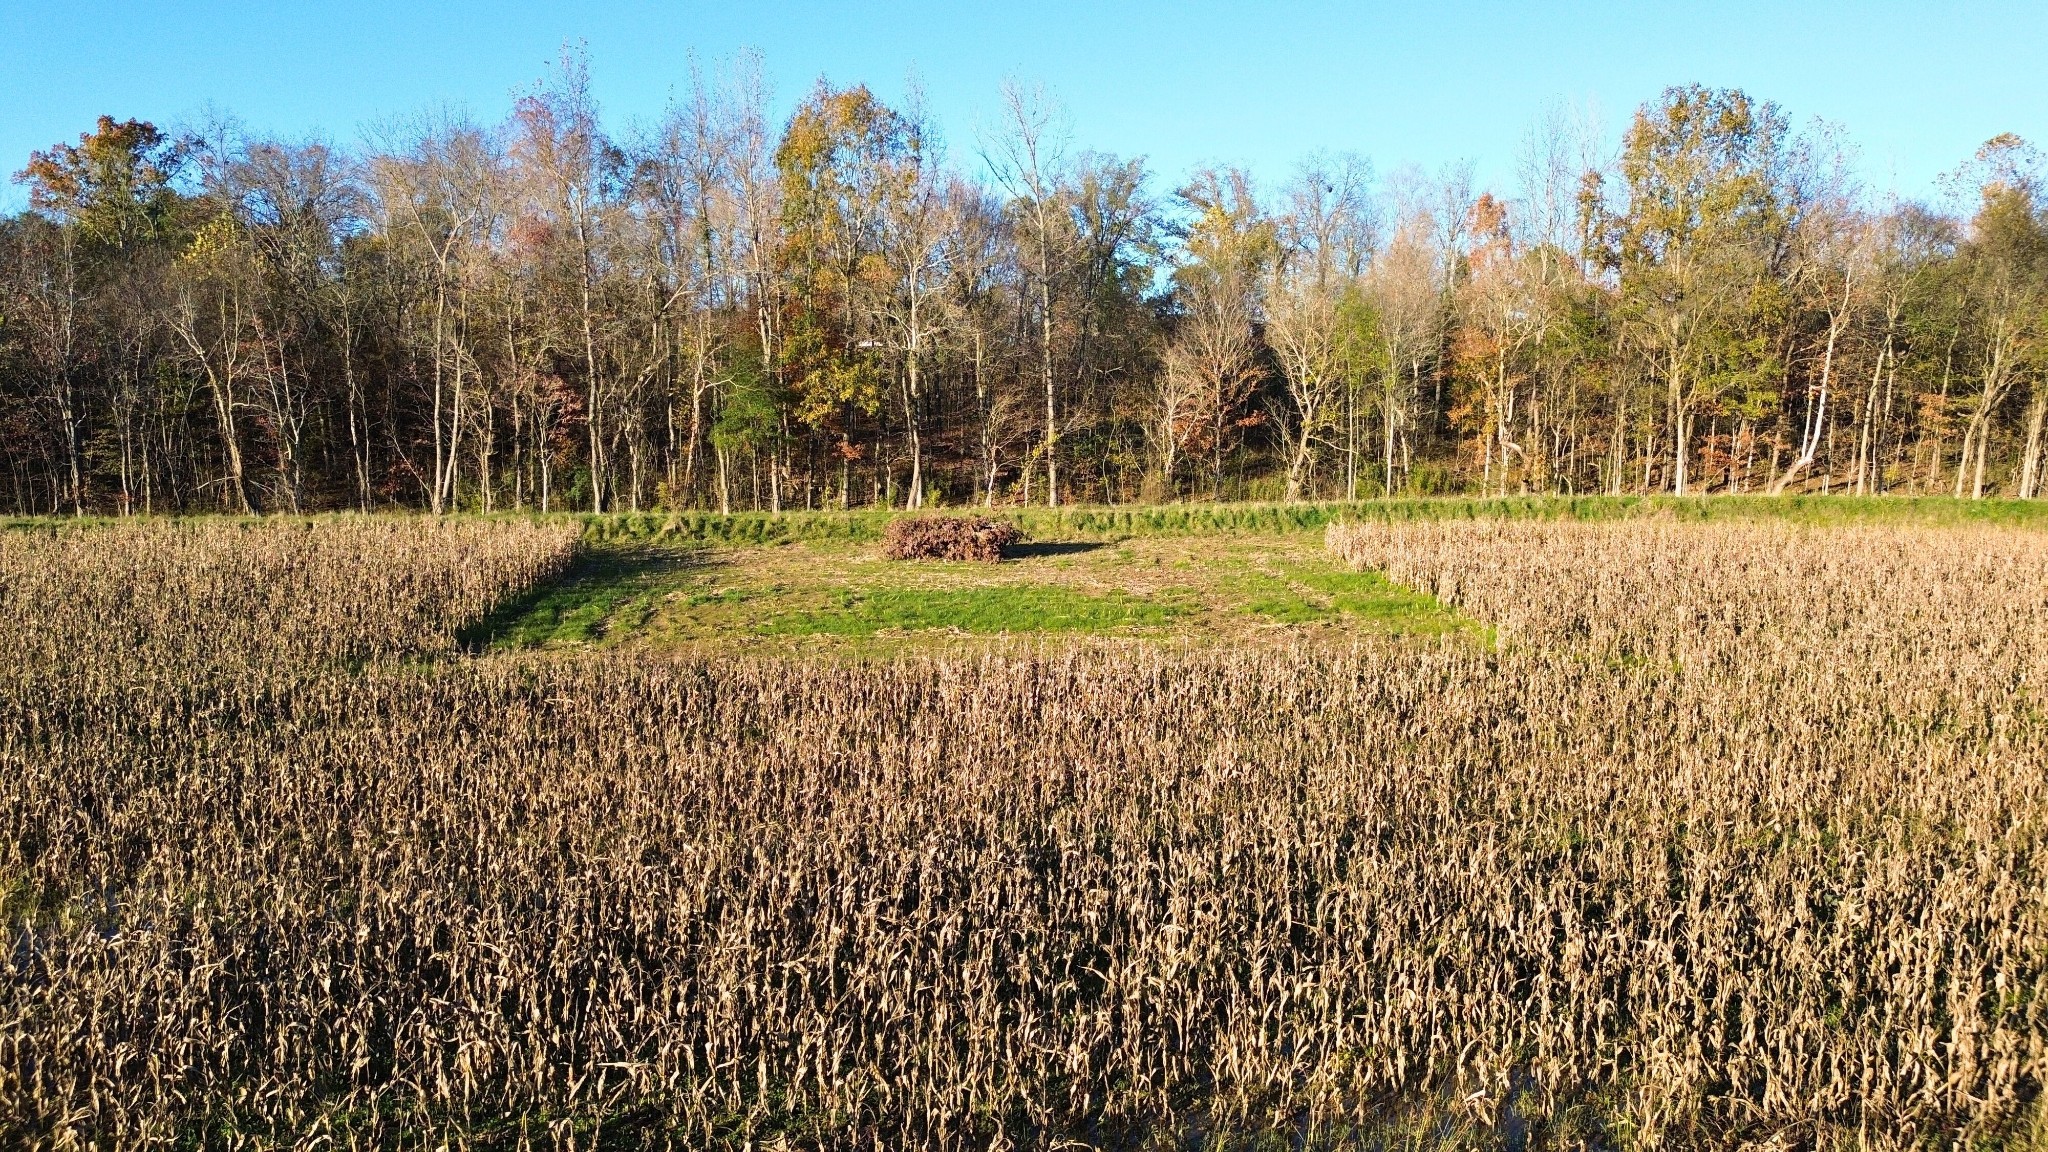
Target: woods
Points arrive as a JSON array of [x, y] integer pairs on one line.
[[724, 310]]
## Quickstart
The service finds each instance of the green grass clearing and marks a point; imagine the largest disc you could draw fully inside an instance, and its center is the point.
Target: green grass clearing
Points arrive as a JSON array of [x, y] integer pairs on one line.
[[839, 596], [1229, 573], [1297, 593], [985, 611]]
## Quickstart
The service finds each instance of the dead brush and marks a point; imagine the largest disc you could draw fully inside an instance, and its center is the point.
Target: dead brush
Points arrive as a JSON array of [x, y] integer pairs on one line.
[[980, 538]]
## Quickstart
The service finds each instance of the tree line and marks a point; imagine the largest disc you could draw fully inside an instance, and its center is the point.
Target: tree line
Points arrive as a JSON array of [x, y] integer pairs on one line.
[[714, 311]]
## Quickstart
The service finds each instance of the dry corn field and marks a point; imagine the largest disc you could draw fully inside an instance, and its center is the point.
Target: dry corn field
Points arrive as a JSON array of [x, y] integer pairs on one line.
[[1735, 838]]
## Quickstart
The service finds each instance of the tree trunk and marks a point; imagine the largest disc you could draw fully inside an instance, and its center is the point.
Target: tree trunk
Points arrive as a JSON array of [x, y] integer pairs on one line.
[[1387, 423], [915, 498], [1297, 467], [2030, 460], [1052, 464]]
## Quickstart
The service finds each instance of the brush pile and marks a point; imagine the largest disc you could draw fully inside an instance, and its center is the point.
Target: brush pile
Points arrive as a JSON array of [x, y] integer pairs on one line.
[[948, 538]]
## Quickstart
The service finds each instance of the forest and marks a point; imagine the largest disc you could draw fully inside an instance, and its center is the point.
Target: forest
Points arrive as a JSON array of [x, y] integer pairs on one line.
[[717, 310]]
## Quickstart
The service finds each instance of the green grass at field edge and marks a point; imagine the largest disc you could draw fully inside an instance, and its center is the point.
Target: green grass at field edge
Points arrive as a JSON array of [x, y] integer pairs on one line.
[[1086, 522]]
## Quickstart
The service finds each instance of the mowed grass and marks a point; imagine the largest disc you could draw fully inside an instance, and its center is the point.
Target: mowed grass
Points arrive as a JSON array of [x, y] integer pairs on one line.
[[841, 596], [991, 610]]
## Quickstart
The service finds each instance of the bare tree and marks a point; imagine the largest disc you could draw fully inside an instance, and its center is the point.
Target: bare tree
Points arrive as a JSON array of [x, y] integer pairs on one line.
[[1325, 240], [1027, 159], [1504, 310], [1403, 286], [570, 172], [441, 189], [920, 219], [215, 319], [1229, 247], [1834, 260], [47, 303], [297, 199]]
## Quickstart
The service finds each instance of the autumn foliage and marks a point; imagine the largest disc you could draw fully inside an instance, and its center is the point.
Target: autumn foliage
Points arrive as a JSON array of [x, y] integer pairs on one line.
[[733, 308]]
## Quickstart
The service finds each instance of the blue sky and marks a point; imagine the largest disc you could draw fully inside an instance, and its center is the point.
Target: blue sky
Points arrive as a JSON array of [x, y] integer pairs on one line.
[[1917, 86]]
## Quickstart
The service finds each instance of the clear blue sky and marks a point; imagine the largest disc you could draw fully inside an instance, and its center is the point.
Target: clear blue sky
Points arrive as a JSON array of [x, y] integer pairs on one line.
[[1917, 86]]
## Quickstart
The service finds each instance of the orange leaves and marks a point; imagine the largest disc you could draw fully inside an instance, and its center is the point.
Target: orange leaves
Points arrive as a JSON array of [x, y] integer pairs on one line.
[[1488, 223]]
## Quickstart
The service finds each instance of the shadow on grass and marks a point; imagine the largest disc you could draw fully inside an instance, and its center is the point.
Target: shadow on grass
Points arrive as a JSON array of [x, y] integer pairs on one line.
[[1067, 548], [606, 593], [1316, 593]]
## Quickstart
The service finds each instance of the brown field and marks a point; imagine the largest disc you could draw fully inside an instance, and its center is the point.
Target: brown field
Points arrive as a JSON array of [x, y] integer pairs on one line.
[[1735, 836]]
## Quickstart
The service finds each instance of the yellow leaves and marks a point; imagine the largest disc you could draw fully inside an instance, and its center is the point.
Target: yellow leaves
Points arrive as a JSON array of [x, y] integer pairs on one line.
[[214, 245], [874, 270], [838, 384], [845, 161]]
